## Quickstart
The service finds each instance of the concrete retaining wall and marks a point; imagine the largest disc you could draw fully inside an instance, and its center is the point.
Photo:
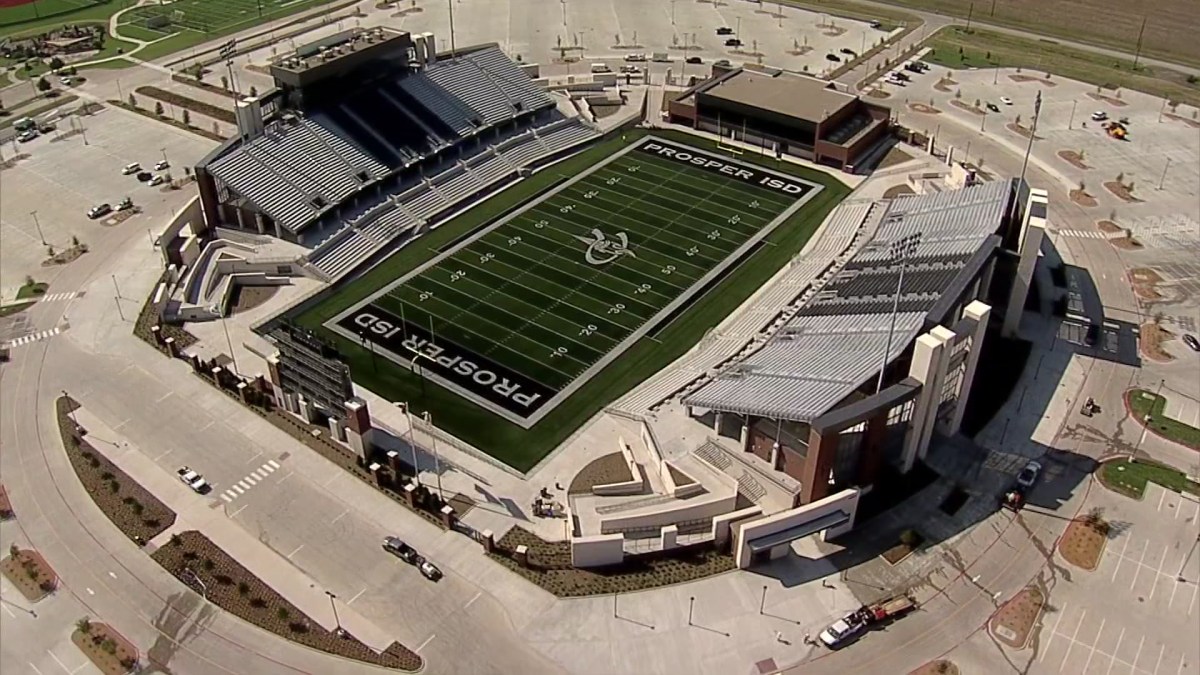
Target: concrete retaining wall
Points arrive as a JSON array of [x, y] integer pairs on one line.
[[597, 551]]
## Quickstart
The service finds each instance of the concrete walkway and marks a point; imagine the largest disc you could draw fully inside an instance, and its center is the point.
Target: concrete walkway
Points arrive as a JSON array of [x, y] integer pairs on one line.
[[196, 513]]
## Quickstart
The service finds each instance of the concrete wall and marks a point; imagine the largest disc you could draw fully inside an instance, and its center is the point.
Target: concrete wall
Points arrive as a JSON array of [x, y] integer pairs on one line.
[[187, 221], [722, 525], [696, 508], [597, 551], [846, 500], [635, 485]]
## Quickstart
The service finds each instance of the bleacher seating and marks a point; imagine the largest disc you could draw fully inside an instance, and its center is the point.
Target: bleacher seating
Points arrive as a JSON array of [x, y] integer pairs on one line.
[[449, 110]]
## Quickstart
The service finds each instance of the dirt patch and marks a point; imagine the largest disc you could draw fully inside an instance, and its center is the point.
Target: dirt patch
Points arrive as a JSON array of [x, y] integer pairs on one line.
[[1082, 198], [922, 108], [246, 298], [945, 85], [107, 649], [939, 667], [910, 541], [1144, 280], [1122, 191], [1084, 541], [195, 560], [601, 471], [1073, 158], [897, 191], [135, 512], [1108, 226], [833, 31], [64, 257], [6, 510], [10, 162], [1111, 100], [801, 50], [1178, 118], [1021, 131], [878, 93], [895, 155], [29, 572], [1126, 243], [1151, 338], [1013, 623], [550, 567], [969, 108]]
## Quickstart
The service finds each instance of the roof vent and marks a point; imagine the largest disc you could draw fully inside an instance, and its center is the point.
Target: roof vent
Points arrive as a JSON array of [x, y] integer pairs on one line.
[[318, 201]]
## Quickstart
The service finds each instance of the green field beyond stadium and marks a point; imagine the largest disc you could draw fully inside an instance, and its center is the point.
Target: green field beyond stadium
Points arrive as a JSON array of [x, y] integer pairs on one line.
[[514, 329]]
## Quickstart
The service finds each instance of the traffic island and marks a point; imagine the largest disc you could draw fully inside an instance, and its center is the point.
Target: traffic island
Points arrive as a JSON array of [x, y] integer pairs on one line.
[[29, 572], [1013, 623], [1129, 477], [135, 512], [1083, 541], [1149, 410], [207, 569], [107, 649], [6, 509], [548, 564]]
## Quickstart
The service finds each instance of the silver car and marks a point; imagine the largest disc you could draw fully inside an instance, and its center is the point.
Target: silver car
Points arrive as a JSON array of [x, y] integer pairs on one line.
[[1029, 474]]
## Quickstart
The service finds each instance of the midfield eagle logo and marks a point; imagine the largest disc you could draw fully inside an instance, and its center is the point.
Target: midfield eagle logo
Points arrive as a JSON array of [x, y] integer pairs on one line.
[[601, 250]]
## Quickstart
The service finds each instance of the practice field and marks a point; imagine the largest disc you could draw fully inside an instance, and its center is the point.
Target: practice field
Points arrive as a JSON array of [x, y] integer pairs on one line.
[[517, 316], [205, 16]]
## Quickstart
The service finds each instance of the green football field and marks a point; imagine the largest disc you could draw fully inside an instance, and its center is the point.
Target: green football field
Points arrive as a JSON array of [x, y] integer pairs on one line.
[[512, 317], [508, 283]]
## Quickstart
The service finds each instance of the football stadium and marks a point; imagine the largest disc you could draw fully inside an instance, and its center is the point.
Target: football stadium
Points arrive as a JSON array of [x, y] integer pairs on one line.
[[494, 256]]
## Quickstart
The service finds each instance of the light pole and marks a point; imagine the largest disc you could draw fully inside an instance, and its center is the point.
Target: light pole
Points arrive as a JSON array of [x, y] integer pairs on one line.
[[437, 459], [38, 225], [1071, 122], [164, 153], [336, 621], [1163, 177], [1037, 111], [691, 608], [900, 250], [762, 604]]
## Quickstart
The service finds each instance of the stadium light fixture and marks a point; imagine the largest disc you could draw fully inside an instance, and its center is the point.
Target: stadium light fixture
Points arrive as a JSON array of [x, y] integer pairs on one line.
[[899, 251]]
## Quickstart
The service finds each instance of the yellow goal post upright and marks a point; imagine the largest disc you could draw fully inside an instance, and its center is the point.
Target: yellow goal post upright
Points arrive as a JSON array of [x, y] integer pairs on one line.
[[721, 145]]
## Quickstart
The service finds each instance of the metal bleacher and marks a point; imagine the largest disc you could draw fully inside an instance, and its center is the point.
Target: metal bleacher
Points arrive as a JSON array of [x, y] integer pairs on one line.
[[450, 111]]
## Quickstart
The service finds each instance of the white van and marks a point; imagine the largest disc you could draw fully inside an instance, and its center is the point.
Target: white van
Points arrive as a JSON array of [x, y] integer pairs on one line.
[[600, 68], [131, 168]]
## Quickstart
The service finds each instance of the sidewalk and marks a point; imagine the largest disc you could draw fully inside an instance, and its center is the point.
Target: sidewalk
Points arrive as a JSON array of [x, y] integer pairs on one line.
[[205, 515]]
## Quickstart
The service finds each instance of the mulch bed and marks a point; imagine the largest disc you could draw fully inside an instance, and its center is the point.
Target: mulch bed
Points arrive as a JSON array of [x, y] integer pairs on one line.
[[1151, 337], [1030, 78], [945, 85], [30, 573], [1121, 191], [1178, 118], [234, 589], [1083, 542], [181, 101], [1144, 280], [136, 512], [969, 108], [1073, 158], [600, 471], [1021, 131], [6, 510], [902, 550], [210, 135], [107, 649], [897, 191], [64, 257], [1013, 623], [1108, 226], [147, 320], [1082, 198], [1111, 100], [939, 667], [922, 108], [550, 567]]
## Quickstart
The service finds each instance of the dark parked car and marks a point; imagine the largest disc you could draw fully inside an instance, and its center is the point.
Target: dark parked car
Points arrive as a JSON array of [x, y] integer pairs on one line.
[[833, 57], [993, 107], [847, 51], [1092, 336], [733, 42], [400, 549], [695, 59], [724, 30], [144, 176], [1191, 341], [900, 75]]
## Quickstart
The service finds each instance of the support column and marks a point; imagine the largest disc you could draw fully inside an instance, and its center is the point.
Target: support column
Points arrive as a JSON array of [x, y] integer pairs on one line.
[[979, 313], [745, 435], [1029, 245], [717, 418], [870, 459], [927, 354], [822, 450], [941, 365]]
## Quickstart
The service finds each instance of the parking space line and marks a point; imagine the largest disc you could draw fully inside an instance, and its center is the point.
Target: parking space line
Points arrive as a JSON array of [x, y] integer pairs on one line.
[[1158, 572], [1116, 650], [339, 516], [1192, 604], [1138, 655], [239, 510], [285, 478], [1161, 648], [8, 611], [1113, 656], [295, 551], [357, 594], [1070, 645], [1094, 643], [60, 663], [1138, 569], [35, 668], [426, 642], [1182, 656], [1161, 497], [1053, 632], [1120, 558]]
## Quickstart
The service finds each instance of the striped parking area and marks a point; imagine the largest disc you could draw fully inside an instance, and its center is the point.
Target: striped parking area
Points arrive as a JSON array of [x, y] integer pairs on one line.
[[249, 480]]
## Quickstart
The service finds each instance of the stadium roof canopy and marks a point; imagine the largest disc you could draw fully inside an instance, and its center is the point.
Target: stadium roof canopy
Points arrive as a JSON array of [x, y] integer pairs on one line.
[[835, 343]]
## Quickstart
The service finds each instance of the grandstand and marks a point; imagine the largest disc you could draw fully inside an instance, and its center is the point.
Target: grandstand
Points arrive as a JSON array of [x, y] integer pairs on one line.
[[369, 138]]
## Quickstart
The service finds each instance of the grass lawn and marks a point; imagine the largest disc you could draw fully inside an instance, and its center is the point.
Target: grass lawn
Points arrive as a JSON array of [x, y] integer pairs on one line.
[[505, 440], [23, 20], [9, 310], [954, 47], [32, 290], [1130, 478], [1170, 25], [889, 19], [1144, 403]]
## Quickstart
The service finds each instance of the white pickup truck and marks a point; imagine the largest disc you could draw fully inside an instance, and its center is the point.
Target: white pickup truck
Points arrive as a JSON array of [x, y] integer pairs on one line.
[[193, 480]]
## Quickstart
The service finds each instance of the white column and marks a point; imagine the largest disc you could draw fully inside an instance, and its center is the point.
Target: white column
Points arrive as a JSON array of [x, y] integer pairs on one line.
[[1029, 245], [717, 422], [927, 354], [947, 337], [979, 313]]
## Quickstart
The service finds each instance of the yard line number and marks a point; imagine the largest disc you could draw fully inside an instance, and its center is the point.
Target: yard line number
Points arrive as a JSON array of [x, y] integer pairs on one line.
[[456, 275], [588, 330], [561, 351]]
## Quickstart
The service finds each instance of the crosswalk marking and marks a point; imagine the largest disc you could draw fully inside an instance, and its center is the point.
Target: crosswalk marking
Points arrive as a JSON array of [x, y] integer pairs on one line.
[[58, 297], [274, 464], [1081, 234], [260, 474], [244, 485], [251, 479], [226, 497], [239, 489], [268, 468], [34, 337]]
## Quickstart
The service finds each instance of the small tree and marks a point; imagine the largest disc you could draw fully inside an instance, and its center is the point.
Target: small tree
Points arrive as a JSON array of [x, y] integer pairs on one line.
[[224, 82], [158, 108], [74, 241], [1082, 187], [176, 540], [1129, 188], [976, 103], [132, 101], [187, 118], [14, 551], [56, 63], [283, 614], [114, 487], [43, 85], [1121, 177], [84, 625], [1017, 121], [208, 564], [243, 588], [109, 646], [253, 90]]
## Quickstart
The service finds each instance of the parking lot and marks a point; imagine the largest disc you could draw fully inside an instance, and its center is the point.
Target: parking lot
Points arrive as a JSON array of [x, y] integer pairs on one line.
[[64, 176]]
